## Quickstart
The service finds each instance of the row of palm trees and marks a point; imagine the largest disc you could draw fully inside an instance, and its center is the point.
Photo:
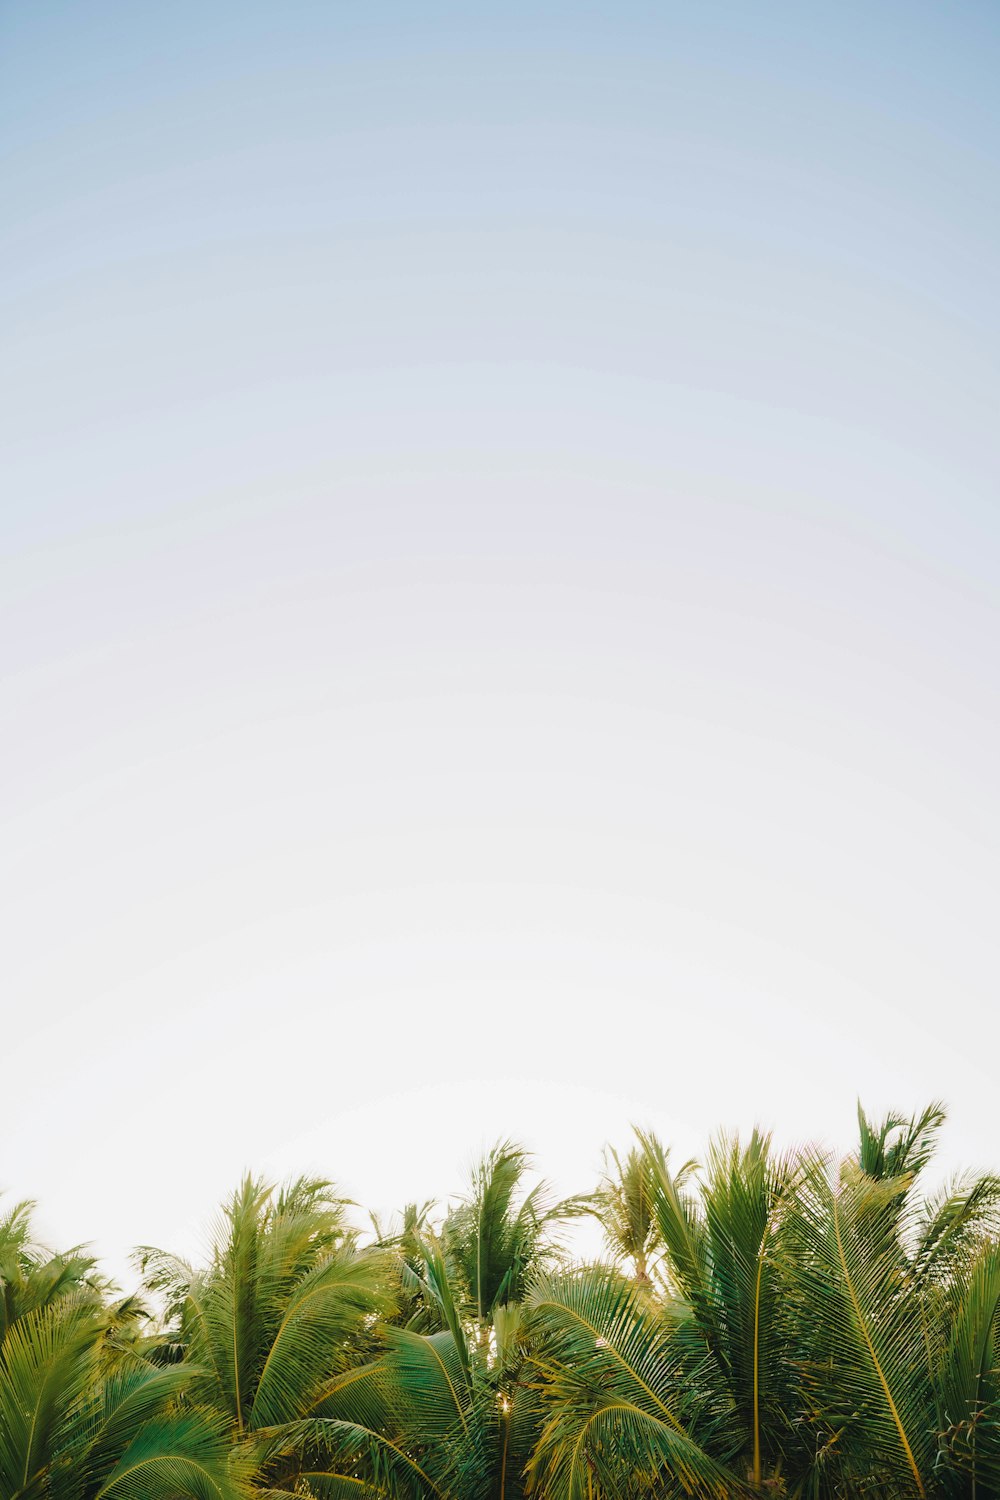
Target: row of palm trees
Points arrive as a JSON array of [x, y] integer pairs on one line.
[[764, 1324]]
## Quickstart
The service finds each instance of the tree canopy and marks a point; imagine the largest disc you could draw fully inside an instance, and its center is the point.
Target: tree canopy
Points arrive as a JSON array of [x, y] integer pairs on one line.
[[761, 1324]]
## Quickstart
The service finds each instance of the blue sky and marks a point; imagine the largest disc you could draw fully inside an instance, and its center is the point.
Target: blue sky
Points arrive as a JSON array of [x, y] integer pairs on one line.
[[499, 599]]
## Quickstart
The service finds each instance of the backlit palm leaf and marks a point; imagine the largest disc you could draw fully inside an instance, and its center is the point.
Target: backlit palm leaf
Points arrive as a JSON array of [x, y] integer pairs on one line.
[[622, 1414]]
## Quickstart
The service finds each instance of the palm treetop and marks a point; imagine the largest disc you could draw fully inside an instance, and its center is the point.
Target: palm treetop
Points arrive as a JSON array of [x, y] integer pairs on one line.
[[767, 1323]]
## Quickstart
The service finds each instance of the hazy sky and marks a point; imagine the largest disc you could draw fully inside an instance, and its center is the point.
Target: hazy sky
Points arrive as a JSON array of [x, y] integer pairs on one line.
[[501, 550]]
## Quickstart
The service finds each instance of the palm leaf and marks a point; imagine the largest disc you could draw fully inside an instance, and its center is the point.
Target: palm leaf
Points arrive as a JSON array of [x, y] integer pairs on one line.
[[620, 1416], [866, 1352]]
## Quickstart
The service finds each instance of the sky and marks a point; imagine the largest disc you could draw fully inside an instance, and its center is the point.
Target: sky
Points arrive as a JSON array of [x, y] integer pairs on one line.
[[499, 588]]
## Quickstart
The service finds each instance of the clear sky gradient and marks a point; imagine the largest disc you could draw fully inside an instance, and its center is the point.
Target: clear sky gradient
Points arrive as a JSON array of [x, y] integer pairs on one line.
[[499, 588]]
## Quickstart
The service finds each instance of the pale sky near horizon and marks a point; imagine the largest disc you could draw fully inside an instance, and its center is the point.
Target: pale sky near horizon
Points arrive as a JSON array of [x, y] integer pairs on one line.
[[499, 595]]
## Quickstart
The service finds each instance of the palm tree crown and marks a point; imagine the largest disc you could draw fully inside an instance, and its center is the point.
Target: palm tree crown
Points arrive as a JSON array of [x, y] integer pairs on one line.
[[765, 1324]]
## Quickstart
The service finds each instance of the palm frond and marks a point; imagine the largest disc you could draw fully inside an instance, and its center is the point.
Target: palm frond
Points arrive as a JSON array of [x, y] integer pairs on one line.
[[622, 1416], [864, 1350]]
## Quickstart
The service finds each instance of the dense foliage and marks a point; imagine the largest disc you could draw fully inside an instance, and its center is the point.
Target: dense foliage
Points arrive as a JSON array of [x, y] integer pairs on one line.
[[764, 1324]]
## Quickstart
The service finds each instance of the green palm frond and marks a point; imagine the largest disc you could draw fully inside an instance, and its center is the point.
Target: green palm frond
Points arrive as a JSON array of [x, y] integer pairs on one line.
[[32, 1277], [967, 1373], [287, 1302], [427, 1381], [623, 1204], [746, 1193], [898, 1147], [44, 1375], [681, 1229], [70, 1430], [952, 1225], [176, 1455], [332, 1450], [493, 1240], [319, 1485], [865, 1358], [501, 1236], [430, 1276], [622, 1414], [320, 1321]]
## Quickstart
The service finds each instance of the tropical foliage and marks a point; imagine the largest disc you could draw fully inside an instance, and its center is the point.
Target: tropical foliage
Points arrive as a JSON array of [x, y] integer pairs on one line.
[[764, 1324]]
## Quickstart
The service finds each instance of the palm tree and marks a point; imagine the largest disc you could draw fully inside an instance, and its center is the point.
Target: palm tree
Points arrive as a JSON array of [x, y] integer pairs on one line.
[[278, 1323], [898, 1318], [84, 1415], [691, 1391], [826, 1331], [32, 1277], [499, 1236], [623, 1411], [770, 1325], [445, 1411], [623, 1204]]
